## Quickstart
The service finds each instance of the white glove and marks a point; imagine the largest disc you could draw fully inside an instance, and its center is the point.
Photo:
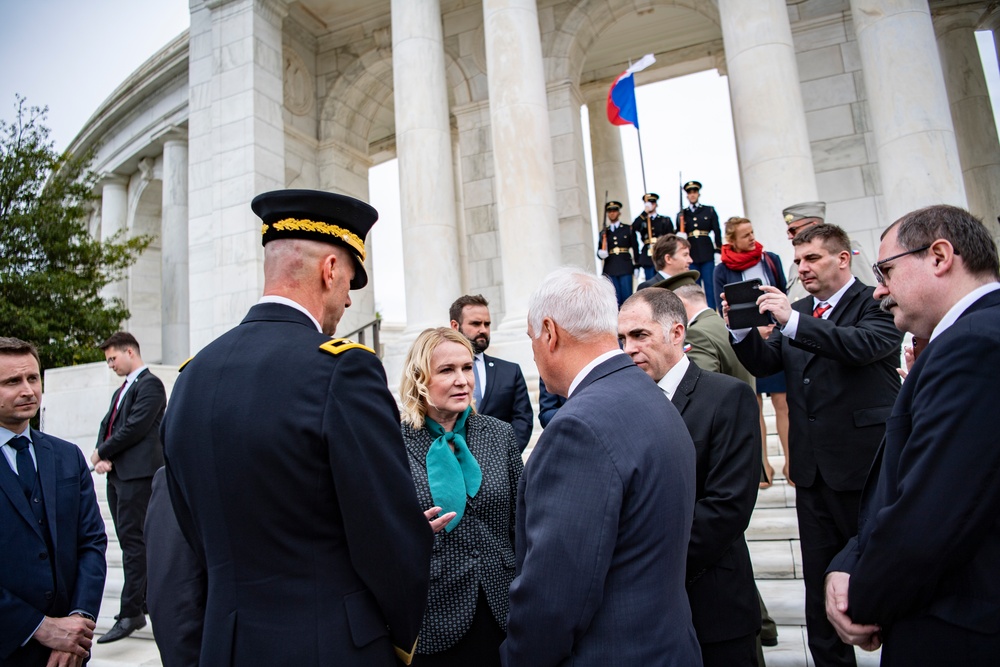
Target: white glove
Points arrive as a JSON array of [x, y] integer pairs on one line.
[[603, 254], [638, 274]]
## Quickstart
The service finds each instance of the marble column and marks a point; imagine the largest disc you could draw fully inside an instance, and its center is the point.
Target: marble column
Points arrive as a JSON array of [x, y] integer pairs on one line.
[[772, 140], [524, 176], [426, 178], [236, 151], [991, 21], [971, 112], [605, 154], [174, 252], [914, 137], [114, 219]]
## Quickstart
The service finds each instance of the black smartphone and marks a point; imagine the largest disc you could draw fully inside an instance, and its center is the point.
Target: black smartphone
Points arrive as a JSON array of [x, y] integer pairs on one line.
[[742, 298]]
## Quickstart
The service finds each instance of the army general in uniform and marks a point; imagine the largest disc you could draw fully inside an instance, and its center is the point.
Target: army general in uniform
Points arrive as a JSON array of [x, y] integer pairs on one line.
[[616, 245], [286, 466], [699, 222]]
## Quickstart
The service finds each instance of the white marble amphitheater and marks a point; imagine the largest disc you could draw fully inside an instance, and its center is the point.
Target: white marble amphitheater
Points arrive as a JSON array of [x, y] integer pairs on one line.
[[875, 106]]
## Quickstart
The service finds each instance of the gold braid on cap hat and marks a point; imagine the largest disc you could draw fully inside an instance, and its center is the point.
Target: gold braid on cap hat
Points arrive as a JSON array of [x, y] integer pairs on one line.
[[345, 235]]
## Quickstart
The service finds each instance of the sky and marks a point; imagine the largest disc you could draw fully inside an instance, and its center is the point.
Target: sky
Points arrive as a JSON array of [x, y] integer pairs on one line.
[[70, 55]]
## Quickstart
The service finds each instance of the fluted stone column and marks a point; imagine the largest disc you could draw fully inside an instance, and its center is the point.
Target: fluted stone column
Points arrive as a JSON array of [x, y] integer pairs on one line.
[[914, 136], [524, 176], [971, 112], [114, 218], [605, 153], [991, 21], [772, 139], [236, 151], [174, 253], [426, 178]]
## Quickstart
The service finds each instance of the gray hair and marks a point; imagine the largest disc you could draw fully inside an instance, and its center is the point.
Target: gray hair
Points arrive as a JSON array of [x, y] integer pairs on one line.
[[692, 293], [582, 303]]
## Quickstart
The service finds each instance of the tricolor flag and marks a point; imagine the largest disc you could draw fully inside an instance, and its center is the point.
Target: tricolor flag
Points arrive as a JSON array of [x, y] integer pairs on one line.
[[621, 97]]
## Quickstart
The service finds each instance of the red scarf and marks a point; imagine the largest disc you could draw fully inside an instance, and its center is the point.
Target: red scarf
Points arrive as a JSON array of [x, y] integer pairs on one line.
[[741, 261]]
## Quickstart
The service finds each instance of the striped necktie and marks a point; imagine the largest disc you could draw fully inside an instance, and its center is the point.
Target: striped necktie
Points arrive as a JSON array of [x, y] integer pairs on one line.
[[821, 308]]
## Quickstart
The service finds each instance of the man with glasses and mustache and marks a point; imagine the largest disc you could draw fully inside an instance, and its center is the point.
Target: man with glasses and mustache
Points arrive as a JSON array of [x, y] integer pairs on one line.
[[839, 353], [920, 577]]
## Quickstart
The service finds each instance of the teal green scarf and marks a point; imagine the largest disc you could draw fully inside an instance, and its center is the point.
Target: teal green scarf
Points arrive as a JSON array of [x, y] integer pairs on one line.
[[451, 476]]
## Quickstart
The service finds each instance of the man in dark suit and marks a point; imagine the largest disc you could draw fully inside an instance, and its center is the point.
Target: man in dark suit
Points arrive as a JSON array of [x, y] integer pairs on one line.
[[617, 246], [52, 578], [671, 256], [286, 465], [921, 575], [698, 222], [721, 415], [501, 391], [130, 452], [650, 226], [177, 581], [839, 353], [605, 502]]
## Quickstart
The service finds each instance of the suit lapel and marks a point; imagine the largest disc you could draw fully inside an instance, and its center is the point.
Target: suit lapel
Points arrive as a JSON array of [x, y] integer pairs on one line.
[[491, 379], [12, 488], [47, 476], [845, 301], [683, 394]]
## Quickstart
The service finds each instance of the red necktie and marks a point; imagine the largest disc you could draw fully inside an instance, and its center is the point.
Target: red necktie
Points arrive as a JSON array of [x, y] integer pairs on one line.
[[114, 409], [820, 309]]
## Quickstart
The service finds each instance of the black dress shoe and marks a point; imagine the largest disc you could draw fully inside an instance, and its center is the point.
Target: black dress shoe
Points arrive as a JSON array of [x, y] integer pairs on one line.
[[122, 628]]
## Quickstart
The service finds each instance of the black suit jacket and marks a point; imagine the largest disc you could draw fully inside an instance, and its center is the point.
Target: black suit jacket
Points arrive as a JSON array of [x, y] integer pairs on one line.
[[928, 543], [506, 398], [176, 581], [286, 465], [134, 446], [720, 413], [28, 591], [842, 382]]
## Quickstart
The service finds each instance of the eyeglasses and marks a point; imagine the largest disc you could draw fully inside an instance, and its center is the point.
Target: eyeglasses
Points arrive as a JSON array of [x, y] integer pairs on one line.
[[792, 231], [881, 276]]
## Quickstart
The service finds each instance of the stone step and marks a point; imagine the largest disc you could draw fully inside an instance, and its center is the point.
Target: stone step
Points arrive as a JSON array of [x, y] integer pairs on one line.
[[128, 652], [792, 650]]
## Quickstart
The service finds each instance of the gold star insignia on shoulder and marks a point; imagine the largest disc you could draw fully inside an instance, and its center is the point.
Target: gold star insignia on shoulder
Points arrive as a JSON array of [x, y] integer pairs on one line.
[[338, 345]]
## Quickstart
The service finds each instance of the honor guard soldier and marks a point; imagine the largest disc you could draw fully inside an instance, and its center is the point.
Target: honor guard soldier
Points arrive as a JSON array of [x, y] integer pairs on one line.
[[649, 226], [618, 248], [699, 222], [286, 465]]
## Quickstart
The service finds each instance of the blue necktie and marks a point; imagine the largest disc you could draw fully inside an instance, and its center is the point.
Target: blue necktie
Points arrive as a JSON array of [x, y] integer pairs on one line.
[[479, 383], [25, 466]]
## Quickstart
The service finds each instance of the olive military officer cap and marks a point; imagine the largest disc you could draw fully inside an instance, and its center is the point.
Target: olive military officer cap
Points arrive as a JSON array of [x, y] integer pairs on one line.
[[679, 280], [808, 209], [692, 185], [318, 216]]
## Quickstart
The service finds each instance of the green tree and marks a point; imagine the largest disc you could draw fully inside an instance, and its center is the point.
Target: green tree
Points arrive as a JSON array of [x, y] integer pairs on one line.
[[51, 270]]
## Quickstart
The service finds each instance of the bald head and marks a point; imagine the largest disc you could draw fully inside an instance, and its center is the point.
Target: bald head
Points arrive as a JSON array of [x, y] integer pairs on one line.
[[315, 275]]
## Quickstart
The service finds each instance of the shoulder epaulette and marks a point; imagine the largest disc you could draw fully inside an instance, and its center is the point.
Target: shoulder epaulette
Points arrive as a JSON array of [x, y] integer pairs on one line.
[[338, 345], [186, 362]]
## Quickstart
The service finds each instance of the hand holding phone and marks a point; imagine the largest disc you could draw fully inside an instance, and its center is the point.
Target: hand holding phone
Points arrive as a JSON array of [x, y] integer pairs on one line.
[[743, 310]]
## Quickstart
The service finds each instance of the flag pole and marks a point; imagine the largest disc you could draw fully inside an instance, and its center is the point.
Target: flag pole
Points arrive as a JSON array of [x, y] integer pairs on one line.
[[642, 162]]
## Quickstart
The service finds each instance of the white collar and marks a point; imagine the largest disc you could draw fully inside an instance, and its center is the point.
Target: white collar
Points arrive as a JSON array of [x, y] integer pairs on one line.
[[961, 306], [6, 434], [594, 363], [837, 296], [285, 301], [130, 378], [669, 382]]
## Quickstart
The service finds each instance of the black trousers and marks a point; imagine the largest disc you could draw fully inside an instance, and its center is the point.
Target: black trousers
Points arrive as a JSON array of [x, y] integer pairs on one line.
[[827, 520], [739, 652], [128, 500]]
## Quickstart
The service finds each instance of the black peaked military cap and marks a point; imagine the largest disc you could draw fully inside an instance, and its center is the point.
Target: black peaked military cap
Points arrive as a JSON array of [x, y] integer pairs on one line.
[[692, 185], [616, 205], [318, 216], [651, 196]]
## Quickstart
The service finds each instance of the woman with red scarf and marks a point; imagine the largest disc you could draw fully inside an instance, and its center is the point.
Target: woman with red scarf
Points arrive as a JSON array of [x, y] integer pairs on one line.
[[743, 258]]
